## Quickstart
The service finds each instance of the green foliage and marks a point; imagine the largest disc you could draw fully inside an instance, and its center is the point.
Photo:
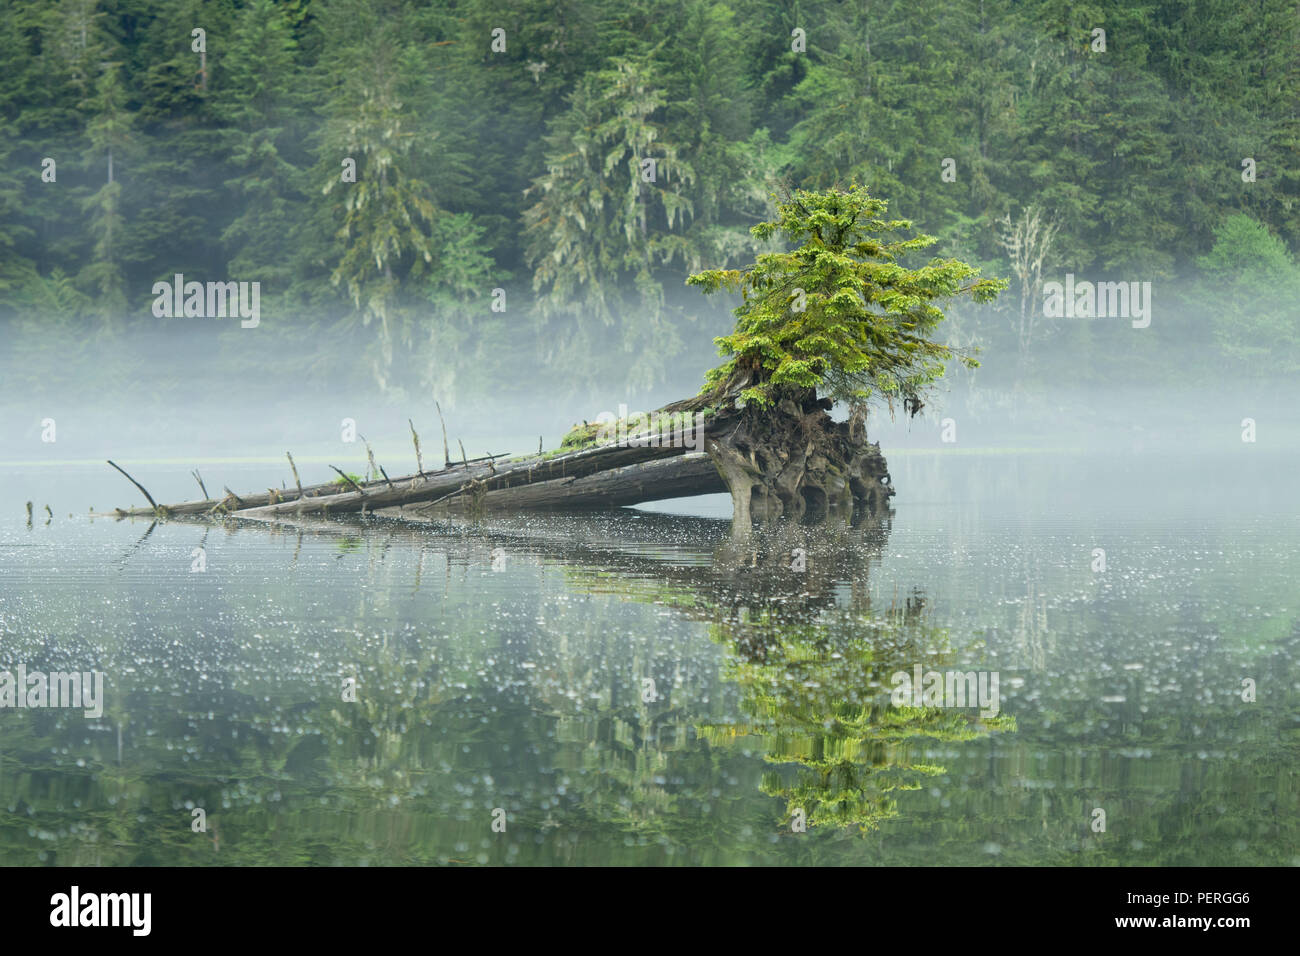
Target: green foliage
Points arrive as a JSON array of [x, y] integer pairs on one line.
[[839, 750], [521, 169], [839, 312], [1257, 281], [600, 231]]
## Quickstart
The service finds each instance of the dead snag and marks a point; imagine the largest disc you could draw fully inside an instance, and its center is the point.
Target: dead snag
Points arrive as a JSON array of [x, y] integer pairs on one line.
[[370, 455], [137, 484], [294, 468], [446, 455], [360, 490], [419, 461]]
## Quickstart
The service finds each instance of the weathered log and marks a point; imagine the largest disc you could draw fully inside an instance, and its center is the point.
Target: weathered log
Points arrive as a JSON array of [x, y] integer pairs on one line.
[[788, 460], [682, 476], [459, 480], [264, 498], [250, 500]]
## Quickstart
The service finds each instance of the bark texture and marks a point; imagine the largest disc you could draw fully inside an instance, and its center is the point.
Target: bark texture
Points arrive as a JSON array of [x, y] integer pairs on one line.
[[792, 460], [682, 476]]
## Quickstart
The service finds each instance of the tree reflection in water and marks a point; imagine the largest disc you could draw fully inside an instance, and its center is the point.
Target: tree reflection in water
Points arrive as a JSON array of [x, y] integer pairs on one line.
[[812, 659]]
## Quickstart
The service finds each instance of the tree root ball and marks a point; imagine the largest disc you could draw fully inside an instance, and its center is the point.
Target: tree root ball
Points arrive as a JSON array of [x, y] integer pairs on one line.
[[792, 460]]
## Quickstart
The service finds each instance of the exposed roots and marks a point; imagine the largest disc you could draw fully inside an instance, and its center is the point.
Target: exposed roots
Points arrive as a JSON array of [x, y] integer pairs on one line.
[[792, 460]]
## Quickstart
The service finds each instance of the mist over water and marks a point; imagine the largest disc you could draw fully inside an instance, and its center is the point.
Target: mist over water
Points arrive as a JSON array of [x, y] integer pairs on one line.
[[1071, 637], [502, 662]]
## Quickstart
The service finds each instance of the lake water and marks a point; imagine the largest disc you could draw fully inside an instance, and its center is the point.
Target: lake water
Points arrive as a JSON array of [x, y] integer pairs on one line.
[[639, 688]]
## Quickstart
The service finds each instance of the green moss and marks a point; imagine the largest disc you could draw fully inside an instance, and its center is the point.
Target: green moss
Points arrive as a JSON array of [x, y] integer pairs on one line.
[[589, 435], [580, 436]]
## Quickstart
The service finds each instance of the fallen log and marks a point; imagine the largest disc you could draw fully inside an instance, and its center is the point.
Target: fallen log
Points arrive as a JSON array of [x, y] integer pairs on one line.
[[261, 499], [791, 460], [682, 476], [209, 504], [480, 479]]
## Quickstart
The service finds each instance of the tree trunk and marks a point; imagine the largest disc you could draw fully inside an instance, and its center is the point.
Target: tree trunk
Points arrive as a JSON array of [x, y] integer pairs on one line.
[[788, 460], [791, 460], [680, 477]]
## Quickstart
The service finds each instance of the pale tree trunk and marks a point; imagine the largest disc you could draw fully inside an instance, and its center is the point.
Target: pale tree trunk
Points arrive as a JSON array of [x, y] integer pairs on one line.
[[1027, 243]]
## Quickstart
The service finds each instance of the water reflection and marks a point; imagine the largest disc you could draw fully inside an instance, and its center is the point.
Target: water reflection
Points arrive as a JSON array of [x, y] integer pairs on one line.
[[628, 688], [809, 655], [812, 660]]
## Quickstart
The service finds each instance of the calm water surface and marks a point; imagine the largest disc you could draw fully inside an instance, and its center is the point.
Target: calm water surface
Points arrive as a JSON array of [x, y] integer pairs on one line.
[[640, 688]]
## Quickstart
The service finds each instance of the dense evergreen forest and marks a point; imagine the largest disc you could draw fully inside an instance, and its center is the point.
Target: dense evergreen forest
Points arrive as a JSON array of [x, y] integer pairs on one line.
[[534, 179]]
